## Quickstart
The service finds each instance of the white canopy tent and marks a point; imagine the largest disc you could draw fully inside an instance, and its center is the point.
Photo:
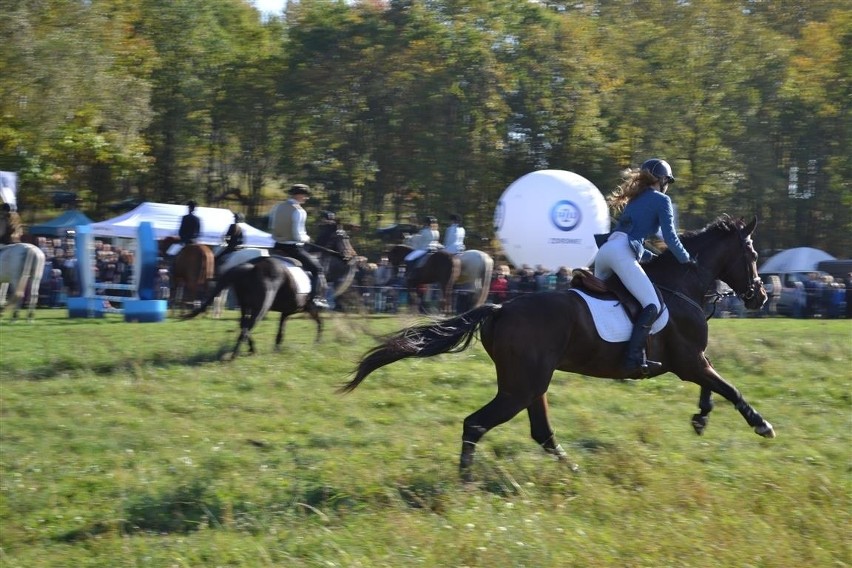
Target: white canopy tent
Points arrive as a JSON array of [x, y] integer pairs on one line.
[[800, 259], [165, 219]]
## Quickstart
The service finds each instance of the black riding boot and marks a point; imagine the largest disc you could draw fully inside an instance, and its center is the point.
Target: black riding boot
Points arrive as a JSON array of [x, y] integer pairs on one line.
[[636, 363]]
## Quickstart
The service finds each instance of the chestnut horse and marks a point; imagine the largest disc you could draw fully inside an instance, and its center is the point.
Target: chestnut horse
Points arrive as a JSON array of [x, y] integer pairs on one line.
[[531, 336], [192, 271]]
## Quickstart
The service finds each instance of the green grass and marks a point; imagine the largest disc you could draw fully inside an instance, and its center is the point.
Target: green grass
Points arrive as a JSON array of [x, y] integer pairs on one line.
[[131, 444]]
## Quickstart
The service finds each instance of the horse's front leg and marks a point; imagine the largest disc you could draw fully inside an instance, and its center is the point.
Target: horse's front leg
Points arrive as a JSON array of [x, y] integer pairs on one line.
[[542, 432], [315, 315], [707, 378], [279, 337]]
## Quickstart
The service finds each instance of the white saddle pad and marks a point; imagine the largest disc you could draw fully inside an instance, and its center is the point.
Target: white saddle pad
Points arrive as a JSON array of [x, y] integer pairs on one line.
[[174, 249], [611, 320], [303, 281]]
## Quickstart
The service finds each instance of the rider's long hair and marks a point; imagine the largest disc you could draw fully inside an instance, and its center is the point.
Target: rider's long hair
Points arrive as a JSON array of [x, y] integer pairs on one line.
[[635, 182]]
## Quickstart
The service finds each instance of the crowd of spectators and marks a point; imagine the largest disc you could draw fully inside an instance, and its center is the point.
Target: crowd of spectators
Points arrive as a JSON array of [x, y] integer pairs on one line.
[[379, 288], [61, 278]]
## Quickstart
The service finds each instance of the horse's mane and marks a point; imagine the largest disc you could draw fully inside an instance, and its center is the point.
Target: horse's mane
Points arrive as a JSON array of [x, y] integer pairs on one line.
[[724, 223], [695, 240]]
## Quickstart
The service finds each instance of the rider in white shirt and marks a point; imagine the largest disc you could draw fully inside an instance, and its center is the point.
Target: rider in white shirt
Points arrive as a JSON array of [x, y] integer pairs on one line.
[[428, 239], [454, 237]]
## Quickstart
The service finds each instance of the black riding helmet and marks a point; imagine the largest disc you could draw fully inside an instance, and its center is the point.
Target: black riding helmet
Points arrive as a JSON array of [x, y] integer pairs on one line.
[[659, 169]]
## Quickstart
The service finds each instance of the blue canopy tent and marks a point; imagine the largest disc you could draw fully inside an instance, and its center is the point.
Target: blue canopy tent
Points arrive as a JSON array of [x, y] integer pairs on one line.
[[60, 226]]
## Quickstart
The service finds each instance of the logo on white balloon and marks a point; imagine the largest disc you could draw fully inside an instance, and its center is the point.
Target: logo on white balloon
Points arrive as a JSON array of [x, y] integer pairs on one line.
[[565, 215]]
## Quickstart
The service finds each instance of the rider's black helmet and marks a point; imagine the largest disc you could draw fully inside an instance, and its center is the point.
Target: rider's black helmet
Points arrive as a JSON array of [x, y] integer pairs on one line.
[[659, 169], [328, 215], [429, 220]]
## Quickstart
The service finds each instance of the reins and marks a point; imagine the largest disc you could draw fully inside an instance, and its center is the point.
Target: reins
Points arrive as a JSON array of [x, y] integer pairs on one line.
[[716, 297], [685, 298]]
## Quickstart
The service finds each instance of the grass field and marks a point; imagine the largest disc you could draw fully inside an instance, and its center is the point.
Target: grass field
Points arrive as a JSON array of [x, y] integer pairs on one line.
[[132, 445]]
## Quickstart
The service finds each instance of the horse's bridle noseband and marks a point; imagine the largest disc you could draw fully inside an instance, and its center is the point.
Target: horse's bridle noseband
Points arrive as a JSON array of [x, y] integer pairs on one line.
[[756, 283]]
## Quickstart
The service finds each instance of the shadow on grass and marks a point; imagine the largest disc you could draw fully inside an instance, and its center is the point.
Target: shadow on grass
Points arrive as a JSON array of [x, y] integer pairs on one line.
[[183, 509], [62, 367]]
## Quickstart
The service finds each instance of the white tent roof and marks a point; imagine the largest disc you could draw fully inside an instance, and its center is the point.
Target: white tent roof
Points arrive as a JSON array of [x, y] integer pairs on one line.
[[801, 259], [165, 218]]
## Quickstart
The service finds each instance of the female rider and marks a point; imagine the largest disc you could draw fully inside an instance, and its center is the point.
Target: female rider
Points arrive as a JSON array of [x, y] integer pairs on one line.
[[645, 211]]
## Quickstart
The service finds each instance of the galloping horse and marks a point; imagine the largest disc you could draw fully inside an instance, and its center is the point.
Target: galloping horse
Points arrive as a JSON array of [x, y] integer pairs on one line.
[[531, 336], [440, 268], [261, 285], [191, 272], [20, 263]]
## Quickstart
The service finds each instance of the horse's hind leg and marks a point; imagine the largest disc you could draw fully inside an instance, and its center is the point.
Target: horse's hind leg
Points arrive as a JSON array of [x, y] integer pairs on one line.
[[247, 321], [708, 378], [542, 432], [705, 405], [279, 337], [33, 301], [502, 408]]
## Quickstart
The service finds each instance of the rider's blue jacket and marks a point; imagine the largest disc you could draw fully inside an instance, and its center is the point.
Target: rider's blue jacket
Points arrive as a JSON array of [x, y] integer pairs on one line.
[[645, 215]]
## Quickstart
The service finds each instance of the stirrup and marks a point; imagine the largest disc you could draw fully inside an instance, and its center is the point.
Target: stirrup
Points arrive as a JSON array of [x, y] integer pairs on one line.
[[644, 368], [321, 303]]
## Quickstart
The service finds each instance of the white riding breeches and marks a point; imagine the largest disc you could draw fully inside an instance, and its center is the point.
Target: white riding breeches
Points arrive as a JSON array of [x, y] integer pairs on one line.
[[617, 256]]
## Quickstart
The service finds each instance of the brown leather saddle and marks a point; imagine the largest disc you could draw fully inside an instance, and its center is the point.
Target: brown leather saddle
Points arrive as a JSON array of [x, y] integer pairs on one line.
[[610, 289]]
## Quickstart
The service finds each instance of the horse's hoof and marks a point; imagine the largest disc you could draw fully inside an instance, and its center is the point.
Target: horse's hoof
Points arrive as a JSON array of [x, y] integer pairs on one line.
[[699, 423], [766, 430]]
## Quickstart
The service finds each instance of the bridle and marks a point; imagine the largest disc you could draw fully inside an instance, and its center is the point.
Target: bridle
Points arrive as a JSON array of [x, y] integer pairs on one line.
[[755, 283]]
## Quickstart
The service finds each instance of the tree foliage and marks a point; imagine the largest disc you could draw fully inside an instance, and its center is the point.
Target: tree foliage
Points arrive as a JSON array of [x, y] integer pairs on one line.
[[396, 108]]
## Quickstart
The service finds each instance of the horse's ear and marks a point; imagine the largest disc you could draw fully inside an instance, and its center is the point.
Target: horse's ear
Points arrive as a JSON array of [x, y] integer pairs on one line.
[[749, 229]]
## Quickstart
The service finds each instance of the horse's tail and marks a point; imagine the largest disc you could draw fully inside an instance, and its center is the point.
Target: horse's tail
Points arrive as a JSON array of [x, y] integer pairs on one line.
[[32, 268], [208, 267], [446, 336], [222, 283], [485, 284]]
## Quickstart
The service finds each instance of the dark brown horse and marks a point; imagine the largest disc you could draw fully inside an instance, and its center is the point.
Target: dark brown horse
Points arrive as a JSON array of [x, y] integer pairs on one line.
[[441, 268], [192, 271], [262, 285], [530, 337]]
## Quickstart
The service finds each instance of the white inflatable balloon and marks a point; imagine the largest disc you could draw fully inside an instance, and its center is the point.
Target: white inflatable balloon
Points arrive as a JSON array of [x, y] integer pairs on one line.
[[549, 218]]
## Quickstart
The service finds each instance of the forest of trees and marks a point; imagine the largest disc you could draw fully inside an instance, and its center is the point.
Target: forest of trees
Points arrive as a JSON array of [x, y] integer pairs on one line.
[[399, 107]]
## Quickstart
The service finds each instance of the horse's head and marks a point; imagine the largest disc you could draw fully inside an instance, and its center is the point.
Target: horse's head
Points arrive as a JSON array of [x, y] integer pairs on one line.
[[729, 253], [340, 243]]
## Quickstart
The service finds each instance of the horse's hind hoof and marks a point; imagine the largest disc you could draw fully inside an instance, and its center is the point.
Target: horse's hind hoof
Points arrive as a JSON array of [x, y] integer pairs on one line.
[[766, 430]]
